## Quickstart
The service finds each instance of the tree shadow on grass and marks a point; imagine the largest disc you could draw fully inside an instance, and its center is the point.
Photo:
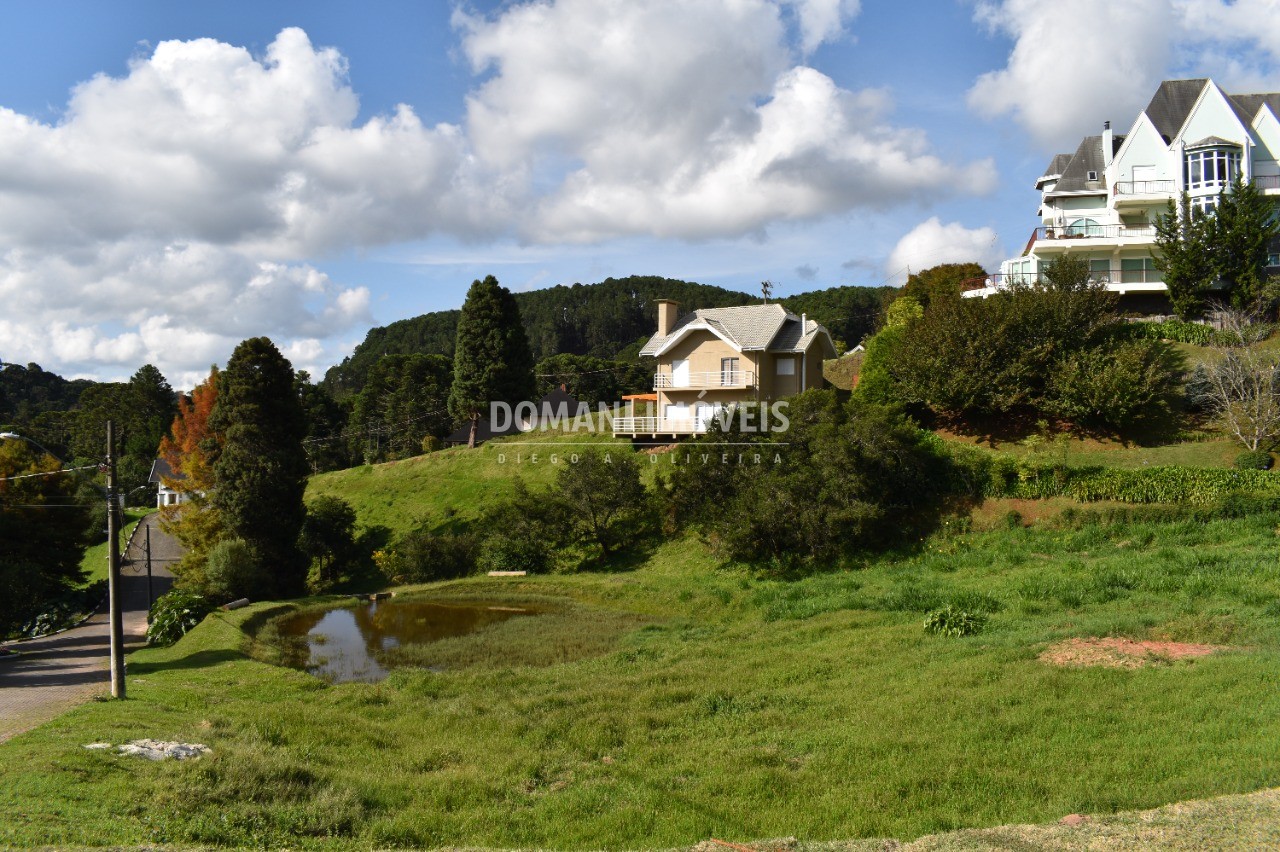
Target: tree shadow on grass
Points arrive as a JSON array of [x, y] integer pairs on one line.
[[197, 660], [633, 557]]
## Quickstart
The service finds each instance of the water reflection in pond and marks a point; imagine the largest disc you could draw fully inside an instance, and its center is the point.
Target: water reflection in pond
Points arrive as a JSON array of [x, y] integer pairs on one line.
[[342, 645]]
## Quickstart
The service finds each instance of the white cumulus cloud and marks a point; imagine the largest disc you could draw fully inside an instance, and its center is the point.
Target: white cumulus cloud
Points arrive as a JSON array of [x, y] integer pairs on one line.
[[175, 209], [931, 243], [1074, 65]]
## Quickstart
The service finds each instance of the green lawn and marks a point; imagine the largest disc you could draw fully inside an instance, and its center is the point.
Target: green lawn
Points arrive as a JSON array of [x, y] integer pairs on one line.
[[683, 700], [94, 563]]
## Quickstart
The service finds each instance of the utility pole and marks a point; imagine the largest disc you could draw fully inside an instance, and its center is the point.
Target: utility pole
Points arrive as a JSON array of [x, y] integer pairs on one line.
[[150, 596], [113, 573]]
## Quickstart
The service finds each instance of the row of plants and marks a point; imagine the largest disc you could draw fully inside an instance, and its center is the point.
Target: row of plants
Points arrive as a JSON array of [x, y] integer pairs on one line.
[[985, 474]]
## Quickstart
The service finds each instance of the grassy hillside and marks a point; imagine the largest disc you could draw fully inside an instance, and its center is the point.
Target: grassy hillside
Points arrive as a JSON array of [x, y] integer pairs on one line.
[[681, 700], [401, 494]]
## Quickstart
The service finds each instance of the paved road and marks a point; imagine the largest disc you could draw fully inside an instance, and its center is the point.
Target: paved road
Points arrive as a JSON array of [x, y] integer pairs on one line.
[[61, 671]]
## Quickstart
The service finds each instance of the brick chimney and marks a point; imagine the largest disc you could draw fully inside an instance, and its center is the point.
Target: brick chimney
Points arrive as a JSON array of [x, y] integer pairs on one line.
[[668, 310]]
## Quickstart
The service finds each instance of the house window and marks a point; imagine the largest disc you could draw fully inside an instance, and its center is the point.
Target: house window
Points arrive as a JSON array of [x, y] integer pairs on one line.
[[729, 375], [1138, 270], [786, 366], [1211, 168], [1084, 228], [1100, 271], [1273, 259], [1205, 205]]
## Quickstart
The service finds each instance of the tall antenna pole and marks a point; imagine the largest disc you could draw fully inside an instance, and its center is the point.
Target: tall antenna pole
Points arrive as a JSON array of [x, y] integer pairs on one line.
[[113, 572]]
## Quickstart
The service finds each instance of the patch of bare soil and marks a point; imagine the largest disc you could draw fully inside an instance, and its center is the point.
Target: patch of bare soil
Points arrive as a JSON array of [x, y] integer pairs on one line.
[[1120, 653]]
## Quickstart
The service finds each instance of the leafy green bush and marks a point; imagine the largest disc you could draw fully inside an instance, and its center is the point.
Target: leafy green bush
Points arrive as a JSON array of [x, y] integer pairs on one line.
[[232, 569], [1115, 385], [502, 552], [422, 556], [174, 614], [851, 478], [953, 621], [1253, 460]]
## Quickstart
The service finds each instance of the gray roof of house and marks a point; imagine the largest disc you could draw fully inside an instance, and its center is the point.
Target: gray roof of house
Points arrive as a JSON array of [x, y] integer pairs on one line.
[[1252, 104], [1172, 103], [770, 327], [1058, 164], [1087, 158], [1212, 142], [160, 468]]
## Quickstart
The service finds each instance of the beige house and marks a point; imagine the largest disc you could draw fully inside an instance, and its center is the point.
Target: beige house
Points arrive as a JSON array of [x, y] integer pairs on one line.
[[712, 358]]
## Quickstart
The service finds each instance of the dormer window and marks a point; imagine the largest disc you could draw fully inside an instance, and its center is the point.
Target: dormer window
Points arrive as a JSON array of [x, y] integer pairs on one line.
[[1090, 175], [1211, 167]]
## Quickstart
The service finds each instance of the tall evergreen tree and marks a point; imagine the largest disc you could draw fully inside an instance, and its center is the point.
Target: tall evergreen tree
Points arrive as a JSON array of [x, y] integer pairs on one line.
[[1241, 232], [1184, 257], [405, 399], [491, 360], [260, 473]]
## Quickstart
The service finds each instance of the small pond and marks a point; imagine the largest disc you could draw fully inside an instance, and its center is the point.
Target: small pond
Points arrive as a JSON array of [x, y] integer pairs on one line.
[[348, 644]]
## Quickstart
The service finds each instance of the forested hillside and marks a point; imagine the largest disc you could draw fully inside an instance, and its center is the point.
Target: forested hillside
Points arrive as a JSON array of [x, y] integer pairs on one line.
[[601, 320], [27, 392]]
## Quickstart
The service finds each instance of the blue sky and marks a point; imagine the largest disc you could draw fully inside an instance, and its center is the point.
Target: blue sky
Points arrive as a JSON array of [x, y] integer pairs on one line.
[[176, 177]]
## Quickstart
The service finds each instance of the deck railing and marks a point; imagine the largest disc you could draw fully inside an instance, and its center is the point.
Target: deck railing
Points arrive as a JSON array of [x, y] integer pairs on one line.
[[1145, 187], [1083, 232], [712, 379], [1266, 181], [1115, 275], [661, 425]]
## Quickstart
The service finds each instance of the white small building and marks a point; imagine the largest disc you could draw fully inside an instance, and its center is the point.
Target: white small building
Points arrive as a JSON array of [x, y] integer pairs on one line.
[[1101, 202], [166, 495]]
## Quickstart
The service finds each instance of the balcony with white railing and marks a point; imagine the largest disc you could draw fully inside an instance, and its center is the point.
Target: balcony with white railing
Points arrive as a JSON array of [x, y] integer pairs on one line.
[[1267, 183], [1068, 236], [1117, 279], [1142, 190], [704, 381], [661, 425]]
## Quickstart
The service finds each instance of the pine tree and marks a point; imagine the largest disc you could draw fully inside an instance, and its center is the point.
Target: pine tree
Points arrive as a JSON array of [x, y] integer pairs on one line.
[[491, 361], [1241, 231], [1184, 241], [260, 473]]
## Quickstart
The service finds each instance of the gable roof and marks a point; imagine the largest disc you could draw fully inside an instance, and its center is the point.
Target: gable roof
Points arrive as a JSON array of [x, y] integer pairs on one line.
[[748, 327], [160, 468], [1253, 104], [1172, 103]]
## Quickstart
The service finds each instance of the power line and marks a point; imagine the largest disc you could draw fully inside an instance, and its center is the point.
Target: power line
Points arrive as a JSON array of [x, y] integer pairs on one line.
[[48, 473]]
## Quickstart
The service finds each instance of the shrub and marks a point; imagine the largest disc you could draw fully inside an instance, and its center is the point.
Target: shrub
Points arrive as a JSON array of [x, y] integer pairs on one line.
[[174, 614], [953, 621], [503, 552], [423, 556], [232, 569], [1115, 384], [1253, 460], [875, 383], [852, 478], [605, 504]]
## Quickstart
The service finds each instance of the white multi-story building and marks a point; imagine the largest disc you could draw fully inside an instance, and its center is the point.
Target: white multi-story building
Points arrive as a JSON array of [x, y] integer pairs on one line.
[[1102, 201]]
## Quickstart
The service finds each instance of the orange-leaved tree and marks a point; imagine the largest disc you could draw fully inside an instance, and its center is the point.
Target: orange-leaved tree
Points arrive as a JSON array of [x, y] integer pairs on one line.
[[190, 451]]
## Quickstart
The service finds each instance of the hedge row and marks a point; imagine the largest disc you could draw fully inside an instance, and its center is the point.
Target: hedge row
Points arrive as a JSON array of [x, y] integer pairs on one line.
[[988, 475], [1184, 332]]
